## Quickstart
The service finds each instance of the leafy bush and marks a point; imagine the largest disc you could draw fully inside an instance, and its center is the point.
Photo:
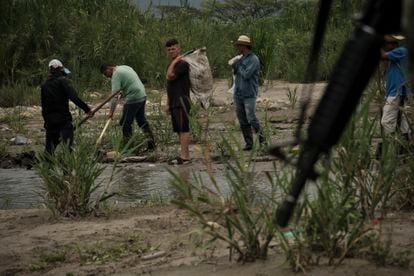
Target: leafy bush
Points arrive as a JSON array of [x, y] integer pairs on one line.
[[70, 179]]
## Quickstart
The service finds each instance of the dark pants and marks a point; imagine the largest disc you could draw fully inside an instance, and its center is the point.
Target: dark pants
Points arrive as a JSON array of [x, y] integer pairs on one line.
[[135, 111], [246, 113], [59, 134]]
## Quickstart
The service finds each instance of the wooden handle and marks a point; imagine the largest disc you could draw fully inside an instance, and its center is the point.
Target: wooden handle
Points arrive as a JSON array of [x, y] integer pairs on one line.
[[99, 140], [99, 107]]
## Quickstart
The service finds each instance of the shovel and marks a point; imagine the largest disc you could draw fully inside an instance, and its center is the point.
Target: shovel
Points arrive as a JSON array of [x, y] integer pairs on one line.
[[99, 107], [99, 140]]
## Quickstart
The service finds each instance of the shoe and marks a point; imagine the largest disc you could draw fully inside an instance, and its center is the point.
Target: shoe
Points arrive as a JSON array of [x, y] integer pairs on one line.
[[378, 151], [248, 138], [179, 161], [262, 139], [150, 147], [248, 147]]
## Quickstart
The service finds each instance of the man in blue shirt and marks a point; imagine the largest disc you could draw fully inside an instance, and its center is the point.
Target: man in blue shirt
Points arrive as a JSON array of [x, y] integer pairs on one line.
[[393, 117], [247, 71]]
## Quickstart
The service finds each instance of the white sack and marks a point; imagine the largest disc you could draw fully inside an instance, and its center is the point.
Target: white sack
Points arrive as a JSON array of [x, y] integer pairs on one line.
[[201, 77]]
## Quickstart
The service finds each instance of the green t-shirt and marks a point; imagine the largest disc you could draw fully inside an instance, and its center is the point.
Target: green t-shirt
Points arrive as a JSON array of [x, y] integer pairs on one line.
[[126, 79]]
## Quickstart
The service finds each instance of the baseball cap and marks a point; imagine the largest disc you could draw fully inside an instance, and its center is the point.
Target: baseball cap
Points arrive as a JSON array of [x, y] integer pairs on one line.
[[55, 64]]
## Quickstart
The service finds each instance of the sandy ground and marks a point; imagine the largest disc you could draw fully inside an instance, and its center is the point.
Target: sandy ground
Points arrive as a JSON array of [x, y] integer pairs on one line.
[[157, 240], [121, 242]]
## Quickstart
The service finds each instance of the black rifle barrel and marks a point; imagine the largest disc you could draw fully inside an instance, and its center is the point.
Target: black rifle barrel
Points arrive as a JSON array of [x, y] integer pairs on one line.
[[351, 74]]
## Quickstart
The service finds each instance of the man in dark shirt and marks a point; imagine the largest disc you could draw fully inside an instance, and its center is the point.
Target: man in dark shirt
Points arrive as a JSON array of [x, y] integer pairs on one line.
[[179, 103], [56, 92]]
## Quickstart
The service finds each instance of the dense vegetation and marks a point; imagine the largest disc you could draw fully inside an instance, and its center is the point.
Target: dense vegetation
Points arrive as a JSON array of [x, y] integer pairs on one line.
[[338, 218], [84, 34]]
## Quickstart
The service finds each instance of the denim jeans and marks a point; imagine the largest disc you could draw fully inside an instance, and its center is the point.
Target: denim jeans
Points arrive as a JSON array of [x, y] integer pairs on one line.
[[130, 112], [246, 113]]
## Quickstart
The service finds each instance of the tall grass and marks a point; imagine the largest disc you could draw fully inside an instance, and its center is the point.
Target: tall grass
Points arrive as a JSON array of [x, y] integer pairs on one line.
[[333, 220], [70, 177], [240, 217], [3, 149], [14, 119], [91, 32], [354, 189], [19, 94]]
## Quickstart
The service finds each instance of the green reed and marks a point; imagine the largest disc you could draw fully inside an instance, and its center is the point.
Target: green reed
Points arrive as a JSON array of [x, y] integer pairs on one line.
[[242, 218], [70, 177], [333, 220], [90, 33]]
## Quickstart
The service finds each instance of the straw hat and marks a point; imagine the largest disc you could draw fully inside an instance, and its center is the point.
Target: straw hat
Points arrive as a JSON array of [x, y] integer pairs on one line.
[[398, 37], [393, 38], [243, 40]]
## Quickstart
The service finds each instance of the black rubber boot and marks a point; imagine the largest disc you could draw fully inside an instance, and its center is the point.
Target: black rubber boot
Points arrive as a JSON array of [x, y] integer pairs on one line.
[[262, 140], [248, 138], [260, 135], [378, 152], [151, 145], [406, 137], [404, 148], [151, 141]]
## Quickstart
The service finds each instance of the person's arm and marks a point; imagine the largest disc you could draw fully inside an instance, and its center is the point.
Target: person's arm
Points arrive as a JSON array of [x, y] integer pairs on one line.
[[72, 95], [116, 88], [247, 71], [181, 68], [234, 60], [167, 107], [171, 74], [396, 54], [114, 103]]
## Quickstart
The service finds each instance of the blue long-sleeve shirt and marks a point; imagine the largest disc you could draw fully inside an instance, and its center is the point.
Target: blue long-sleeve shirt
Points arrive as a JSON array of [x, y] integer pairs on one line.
[[247, 72], [397, 72]]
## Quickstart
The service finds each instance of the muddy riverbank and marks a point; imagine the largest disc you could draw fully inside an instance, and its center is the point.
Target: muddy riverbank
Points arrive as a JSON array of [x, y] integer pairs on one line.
[[150, 240]]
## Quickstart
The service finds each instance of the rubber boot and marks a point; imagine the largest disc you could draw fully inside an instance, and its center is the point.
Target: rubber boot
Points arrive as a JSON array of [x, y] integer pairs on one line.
[[248, 138], [404, 148], [262, 140], [260, 135], [151, 141], [378, 152], [151, 145], [406, 137]]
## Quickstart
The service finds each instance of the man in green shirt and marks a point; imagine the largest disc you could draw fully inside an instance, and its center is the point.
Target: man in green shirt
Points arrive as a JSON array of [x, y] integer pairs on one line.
[[125, 80]]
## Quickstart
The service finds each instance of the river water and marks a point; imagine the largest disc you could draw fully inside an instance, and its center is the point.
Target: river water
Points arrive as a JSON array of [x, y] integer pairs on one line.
[[135, 183]]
